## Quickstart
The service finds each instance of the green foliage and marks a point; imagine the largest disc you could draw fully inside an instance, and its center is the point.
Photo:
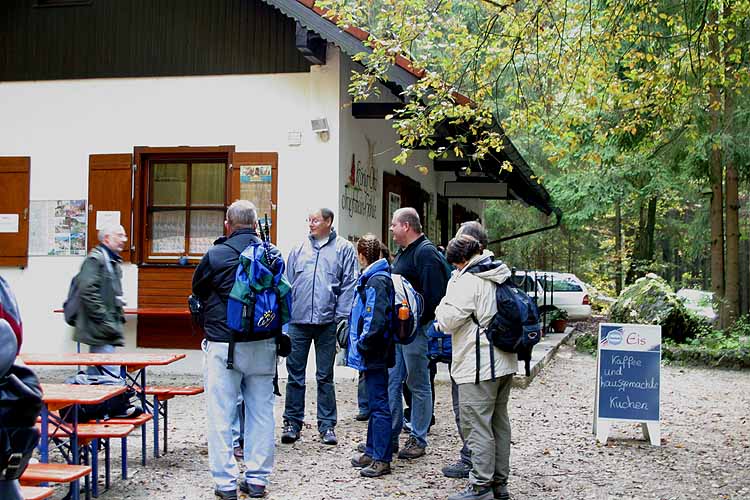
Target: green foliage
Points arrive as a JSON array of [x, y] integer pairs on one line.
[[557, 314]]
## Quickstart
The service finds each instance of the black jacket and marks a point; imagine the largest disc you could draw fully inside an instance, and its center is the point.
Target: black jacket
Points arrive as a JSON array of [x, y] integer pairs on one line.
[[213, 280], [429, 278]]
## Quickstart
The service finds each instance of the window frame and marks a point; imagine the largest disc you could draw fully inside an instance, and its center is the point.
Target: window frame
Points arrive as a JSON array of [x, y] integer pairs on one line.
[[143, 212]]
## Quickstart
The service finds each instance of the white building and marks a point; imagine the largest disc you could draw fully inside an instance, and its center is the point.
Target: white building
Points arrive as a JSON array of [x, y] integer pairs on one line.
[[161, 117]]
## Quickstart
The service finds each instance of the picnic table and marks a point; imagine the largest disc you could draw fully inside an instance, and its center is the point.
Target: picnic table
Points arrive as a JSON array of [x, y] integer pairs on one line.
[[132, 369], [59, 396]]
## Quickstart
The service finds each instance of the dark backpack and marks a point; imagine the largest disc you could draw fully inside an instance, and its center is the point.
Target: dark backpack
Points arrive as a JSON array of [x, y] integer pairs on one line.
[[117, 406], [20, 405], [72, 303], [439, 345], [515, 327]]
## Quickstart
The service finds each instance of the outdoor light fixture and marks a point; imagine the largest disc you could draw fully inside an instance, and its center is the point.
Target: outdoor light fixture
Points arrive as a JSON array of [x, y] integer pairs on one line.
[[320, 127]]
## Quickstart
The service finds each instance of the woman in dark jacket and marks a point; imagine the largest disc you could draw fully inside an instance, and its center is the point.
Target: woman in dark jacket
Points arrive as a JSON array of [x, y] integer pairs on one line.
[[371, 351]]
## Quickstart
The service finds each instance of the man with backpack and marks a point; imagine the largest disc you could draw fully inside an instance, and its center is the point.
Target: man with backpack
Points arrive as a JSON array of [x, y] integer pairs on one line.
[[420, 262], [236, 361], [99, 319], [323, 273]]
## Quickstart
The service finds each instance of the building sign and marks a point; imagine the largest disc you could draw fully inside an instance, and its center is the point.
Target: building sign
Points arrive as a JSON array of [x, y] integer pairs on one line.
[[57, 227], [361, 189], [628, 378]]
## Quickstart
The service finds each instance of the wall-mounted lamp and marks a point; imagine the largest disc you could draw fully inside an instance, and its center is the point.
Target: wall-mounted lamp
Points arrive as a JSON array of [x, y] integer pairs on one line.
[[320, 127]]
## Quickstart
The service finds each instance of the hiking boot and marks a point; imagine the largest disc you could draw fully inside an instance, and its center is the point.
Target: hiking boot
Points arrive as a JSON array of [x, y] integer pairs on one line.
[[411, 449], [501, 491], [238, 453], [329, 437], [458, 470], [290, 434], [226, 494], [406, 428], [362, 417], [252, 490], [361, 460], [376, 469], [473, 493]]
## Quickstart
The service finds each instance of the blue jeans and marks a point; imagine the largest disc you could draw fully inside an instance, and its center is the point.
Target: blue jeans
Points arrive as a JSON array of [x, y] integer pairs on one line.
[[302, 337], [362, 401], [238, 427], [112, 370], [379, 443], [411, 365], [252, 376]]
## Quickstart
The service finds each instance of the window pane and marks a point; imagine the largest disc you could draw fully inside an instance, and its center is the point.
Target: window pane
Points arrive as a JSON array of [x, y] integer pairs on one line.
[[256, 186], [207, 184], [170, 184], [205, 227], [168, 232]]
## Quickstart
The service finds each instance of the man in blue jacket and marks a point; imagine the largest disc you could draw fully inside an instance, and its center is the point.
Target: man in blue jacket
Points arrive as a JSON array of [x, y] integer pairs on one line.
[[323, 273]]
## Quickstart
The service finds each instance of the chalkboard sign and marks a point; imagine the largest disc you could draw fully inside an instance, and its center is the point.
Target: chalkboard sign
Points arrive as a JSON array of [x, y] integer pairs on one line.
[[628, 377]]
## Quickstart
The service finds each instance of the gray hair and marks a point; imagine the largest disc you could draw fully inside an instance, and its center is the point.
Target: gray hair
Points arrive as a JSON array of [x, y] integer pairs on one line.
[[108, 230], [242, 214], [327, 214], [476, 230], [408, 215]]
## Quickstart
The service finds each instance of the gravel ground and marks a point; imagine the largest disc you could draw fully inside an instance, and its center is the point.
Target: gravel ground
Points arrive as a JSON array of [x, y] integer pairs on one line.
[[705, 450]]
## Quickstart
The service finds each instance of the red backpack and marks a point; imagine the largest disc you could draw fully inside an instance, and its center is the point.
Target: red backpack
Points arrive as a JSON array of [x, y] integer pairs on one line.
[[9, 311]]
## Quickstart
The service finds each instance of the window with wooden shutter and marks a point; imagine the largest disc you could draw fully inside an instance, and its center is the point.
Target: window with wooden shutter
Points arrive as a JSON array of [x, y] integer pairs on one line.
[[255, 178], [14, 210], [110, 195]]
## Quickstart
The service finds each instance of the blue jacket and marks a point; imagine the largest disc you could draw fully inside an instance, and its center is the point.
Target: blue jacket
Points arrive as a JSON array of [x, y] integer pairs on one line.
[[371, 343], [323, 278]]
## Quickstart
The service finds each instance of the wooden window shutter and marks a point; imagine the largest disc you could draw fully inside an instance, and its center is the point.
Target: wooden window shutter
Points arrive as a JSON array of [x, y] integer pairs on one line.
[[110, 189], [14, 203], [236, 188]]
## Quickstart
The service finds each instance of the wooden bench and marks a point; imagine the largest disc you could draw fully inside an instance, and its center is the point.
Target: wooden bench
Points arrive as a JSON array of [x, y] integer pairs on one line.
[[36, 492], [53, 473], [162, 395]]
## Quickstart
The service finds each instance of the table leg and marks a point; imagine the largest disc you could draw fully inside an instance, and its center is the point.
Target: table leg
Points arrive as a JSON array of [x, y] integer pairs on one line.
[[75, 486], [94, 466], [156, 426], [165, 407]]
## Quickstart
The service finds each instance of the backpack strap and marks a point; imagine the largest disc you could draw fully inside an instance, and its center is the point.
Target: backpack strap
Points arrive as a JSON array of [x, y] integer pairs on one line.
[[232, 338], [492, 352]]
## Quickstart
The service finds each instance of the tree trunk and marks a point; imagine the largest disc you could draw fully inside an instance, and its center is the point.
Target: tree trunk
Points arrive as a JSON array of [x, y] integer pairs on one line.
[[618, 248], [717, 175], [732, 270], [643, 248]]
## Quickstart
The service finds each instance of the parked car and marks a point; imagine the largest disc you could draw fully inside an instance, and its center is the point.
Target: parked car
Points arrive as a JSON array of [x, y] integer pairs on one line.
[[700, 302], [556, 291]]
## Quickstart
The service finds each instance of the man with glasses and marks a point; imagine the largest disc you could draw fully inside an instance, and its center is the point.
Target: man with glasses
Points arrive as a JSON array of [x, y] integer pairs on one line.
[[323, 273]]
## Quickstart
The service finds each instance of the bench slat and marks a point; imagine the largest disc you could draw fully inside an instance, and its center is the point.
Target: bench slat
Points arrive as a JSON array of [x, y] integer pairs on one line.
[[53, 473], [93, 431], [136, 421], [36, 492]]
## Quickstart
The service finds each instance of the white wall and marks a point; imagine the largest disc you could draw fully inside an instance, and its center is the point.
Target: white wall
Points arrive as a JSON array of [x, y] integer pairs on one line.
[[60, 123], [355, 134]]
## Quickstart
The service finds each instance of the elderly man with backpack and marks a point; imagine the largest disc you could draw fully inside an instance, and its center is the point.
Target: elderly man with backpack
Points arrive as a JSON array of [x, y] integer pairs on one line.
[[244, 296], [420, 262], [323, 273]]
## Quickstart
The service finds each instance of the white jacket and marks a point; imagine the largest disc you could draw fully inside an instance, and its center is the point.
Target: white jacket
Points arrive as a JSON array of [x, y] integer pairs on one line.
[[474, 294]]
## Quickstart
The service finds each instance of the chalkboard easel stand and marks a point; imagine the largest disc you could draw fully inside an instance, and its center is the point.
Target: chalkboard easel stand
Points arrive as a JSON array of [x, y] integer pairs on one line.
[[651, 431]]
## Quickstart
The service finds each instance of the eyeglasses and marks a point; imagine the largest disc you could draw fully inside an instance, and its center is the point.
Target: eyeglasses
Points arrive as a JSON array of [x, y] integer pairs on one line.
[[313, 221]]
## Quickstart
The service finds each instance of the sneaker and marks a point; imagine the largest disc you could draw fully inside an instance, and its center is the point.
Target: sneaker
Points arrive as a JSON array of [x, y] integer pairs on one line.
[[226, 494], [376, 469], [290, 434], [501, 492], [329, 437], [361, 460], [406, 428], [411, 449], [473, 493], [362, 417], [238, 453], [252, 490], [458, 470]]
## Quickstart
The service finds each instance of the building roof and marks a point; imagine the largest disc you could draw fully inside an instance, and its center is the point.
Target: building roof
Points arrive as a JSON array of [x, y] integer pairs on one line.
[[351, 40]]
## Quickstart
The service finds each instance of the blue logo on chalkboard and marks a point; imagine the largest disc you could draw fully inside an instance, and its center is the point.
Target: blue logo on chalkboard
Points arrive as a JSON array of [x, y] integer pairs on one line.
[[615, 337]]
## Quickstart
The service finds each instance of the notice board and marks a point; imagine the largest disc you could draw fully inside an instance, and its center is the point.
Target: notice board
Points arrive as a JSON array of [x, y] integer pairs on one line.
[[628, 377]]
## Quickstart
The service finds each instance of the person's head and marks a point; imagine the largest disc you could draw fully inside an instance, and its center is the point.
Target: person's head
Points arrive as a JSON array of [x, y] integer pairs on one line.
[[320, 222], [368, 249], [385, 253], [461, 249], [241, 215], [113, 237], [405, 226], [475, 230]]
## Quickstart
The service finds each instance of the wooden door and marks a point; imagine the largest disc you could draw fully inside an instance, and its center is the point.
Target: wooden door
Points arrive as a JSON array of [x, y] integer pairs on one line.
[[14, 210], [110, 192]]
